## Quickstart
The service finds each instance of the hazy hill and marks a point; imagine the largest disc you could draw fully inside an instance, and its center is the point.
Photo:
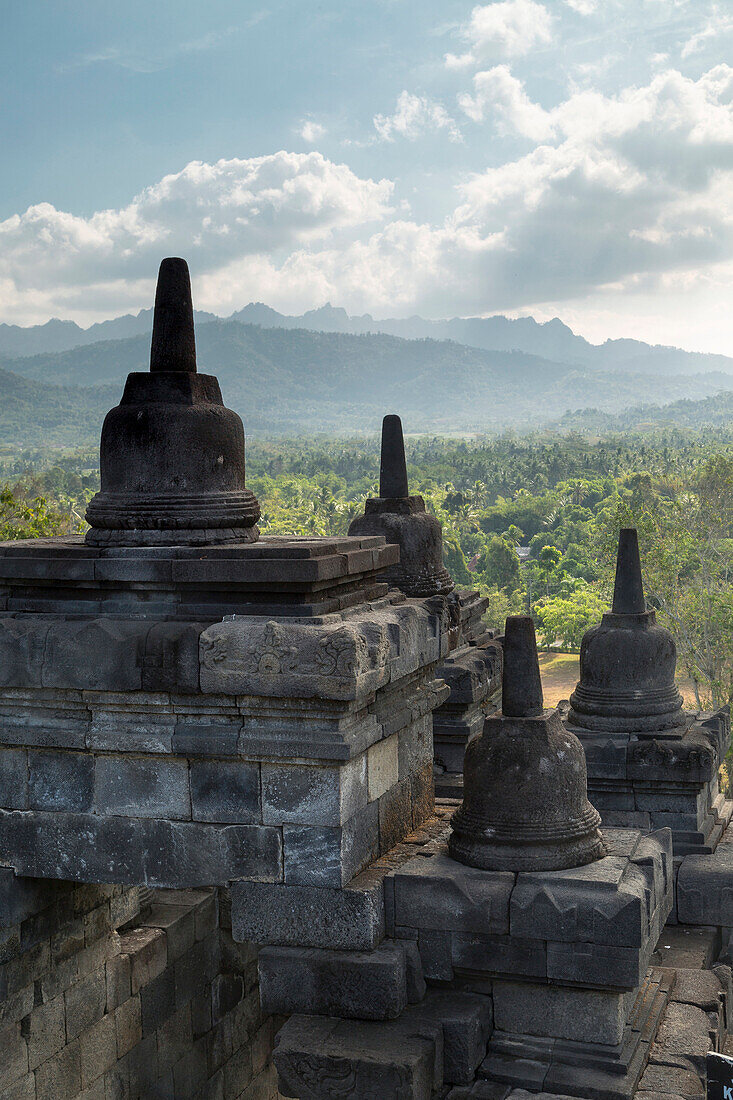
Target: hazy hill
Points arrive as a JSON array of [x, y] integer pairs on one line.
[[550, 340], [712, 412], [293, 380], [37, 414]]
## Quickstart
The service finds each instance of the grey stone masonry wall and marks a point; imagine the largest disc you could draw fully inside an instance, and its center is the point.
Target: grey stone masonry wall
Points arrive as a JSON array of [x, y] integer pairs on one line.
[[101, 1002], [276, 751], [663, 781]]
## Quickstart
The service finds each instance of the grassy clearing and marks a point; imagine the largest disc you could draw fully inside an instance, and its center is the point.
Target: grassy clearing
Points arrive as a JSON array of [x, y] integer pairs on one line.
[[561, 671]]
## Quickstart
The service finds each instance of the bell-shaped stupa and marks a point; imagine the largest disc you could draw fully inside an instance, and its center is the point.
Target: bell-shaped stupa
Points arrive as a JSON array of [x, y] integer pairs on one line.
[[627, 662], [402, 519], [172, 455], [525, 804]]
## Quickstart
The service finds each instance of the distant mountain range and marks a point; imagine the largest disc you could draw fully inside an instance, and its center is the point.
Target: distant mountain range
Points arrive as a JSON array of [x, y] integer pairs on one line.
[[551, 340], [284, 380]]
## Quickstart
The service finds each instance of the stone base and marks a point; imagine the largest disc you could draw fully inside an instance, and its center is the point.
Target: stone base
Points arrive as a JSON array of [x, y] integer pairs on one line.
[[439, 1041], [273, 576], [588, 1069], [156, 536], [705, 886], [666, 780], [594, 926]]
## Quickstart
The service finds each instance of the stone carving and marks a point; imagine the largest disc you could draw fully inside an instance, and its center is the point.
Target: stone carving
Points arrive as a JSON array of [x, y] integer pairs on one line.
[[345, 653]]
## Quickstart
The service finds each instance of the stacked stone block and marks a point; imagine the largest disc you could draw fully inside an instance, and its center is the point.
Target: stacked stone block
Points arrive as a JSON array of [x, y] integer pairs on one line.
[[292, 752], [472, 671], [101, 1001]]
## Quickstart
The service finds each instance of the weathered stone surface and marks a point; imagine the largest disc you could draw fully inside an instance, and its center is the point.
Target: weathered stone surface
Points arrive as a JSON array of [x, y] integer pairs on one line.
[[303, 794], [499, 955], [581, 1015], [318, 855], [705, 886], [82, 847], [603, 903], [357, 985], [597, 964], [382, 767], [683, 1034], [93, 655], [153, 787], [466, 1020], [226, 791], [351, 919], [318, 1058], [687, 948], [440, 894], [672, 1080], [14, 779], [60, 781]]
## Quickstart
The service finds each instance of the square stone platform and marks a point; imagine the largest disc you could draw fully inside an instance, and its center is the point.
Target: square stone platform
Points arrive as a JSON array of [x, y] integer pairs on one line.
[[564, 956], [277, 575], [190, 716], [665, 780]]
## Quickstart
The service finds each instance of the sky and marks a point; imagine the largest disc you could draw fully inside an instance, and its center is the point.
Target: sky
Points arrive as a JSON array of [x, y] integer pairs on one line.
[[568, 158]]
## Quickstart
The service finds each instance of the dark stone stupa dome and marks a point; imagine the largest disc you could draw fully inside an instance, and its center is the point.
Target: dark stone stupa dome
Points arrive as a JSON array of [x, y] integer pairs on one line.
[[627, 662], [171, 454], [402, 519], [525, 804]]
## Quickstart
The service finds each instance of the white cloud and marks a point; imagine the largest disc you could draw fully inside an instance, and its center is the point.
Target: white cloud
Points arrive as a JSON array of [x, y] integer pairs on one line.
[[311, 131], [583, 7], [717, 24], [211, 213], [498, 92], [414, 116], [509, 28], [617, 193]]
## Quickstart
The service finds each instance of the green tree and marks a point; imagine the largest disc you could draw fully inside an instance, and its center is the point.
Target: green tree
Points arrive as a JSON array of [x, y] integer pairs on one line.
[[28, 519], [563, 620], [501, 565]]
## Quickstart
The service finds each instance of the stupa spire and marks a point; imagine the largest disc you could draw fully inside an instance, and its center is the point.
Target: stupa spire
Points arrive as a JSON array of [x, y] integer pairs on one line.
[[521, 689], [628, 592], [173, 347], [393, 467]]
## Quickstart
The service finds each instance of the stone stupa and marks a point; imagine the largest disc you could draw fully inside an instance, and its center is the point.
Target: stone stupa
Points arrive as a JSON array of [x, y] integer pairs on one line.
[[525, 803], [650, 764], [172, 454], [627, 662], [402, 520]]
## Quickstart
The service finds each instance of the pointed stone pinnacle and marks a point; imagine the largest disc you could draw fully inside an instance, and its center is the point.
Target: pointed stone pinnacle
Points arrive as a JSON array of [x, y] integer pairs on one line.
[[173, 347], [521, 689], [628, 592], [392, 467]]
